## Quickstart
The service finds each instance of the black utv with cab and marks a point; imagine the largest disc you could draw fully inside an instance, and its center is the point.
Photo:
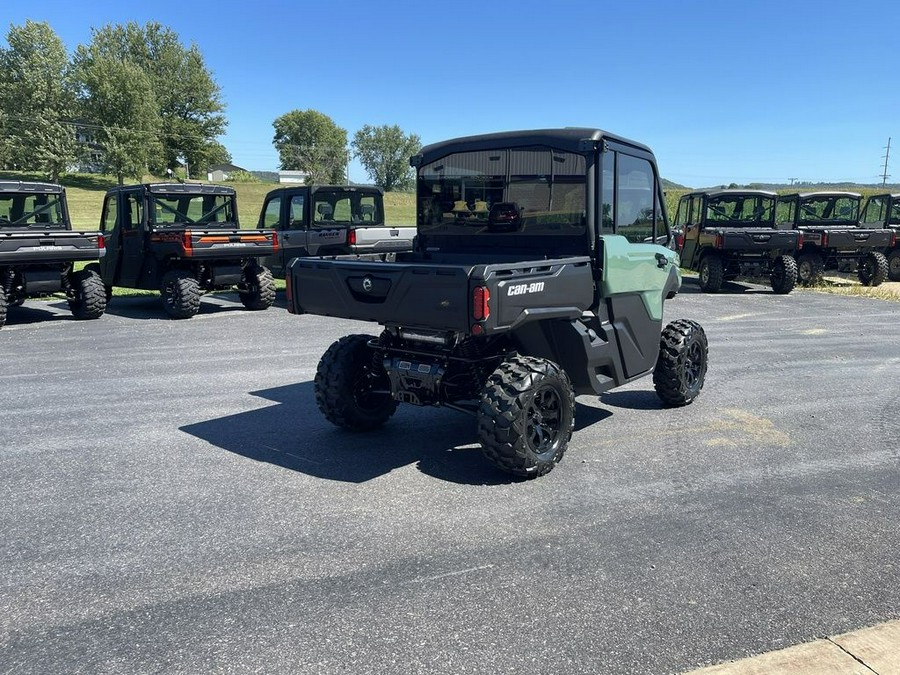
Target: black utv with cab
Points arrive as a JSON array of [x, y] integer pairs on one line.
[[329, 220], [832, 238], [511, 325], [728, 234], [883, 211], [183, 239], [38, 250]]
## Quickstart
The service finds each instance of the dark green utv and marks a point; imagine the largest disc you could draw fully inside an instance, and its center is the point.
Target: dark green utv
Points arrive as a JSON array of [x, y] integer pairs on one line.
[[183, 239], [883, 211], [38, 250], [529, 283], [832, 238], [726, 234]]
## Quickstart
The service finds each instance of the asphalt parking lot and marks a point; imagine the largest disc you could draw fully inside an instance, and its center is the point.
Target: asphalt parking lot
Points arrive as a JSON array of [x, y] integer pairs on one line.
[[172, 501]]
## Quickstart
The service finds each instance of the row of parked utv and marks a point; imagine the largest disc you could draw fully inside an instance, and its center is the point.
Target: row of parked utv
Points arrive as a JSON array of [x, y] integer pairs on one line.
[[180, 239], [790, 238]]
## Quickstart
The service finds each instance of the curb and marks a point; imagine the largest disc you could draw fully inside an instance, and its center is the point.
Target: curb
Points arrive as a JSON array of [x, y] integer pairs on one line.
[[864, 652]]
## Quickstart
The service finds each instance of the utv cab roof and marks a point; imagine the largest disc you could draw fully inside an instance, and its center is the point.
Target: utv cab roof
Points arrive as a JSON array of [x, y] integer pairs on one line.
[[569, 139], [823, 193], [186, 188], [368, 189], [28, 186], [732, 192]]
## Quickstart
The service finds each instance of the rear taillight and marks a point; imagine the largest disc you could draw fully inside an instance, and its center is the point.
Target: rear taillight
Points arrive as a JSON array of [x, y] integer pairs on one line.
[[101, 242], [187, 242], [720, 241], [275, 239], [799, 240], [351, 237], [481, 298], [893, 239], [824, 240], [679, 241], [288, 291]]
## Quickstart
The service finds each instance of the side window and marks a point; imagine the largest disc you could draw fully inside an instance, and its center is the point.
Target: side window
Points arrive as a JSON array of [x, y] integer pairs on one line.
[[606, 190], [684, 205], [635, 198], [784, 211], [108, 221], [874, 212], [272, 213], [132, 215], [297, 220]]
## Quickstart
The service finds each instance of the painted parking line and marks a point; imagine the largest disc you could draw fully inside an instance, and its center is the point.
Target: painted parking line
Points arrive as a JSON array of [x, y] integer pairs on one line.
[[865, 651]]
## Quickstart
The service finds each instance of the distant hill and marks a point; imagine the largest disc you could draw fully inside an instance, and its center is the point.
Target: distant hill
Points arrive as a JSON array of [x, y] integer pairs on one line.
[[669, 185]]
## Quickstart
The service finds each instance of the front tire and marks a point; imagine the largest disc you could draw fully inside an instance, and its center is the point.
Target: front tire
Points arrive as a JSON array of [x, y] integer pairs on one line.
[[260, 289], [873, 269], [784, 274], [712, 274], [810, 269], [893, 261], [88, 299], [349, 391], [3, 306], [526, 416], [681, 367], [180, 294]]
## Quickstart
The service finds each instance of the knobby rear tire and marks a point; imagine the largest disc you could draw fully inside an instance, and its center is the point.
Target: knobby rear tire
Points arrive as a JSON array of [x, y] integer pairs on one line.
[[344, 382], [526, 416], [180, 294], [89, 301], [260, 294], [784, 274]]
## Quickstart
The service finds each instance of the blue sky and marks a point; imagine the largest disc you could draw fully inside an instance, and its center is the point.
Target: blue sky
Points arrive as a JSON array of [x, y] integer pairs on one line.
[[722, 91]]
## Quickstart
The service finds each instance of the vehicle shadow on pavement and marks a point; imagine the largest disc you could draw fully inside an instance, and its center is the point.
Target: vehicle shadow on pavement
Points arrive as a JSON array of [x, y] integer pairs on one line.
[[691, 286], [38, 312], [632, 400], [150, 307], [294, 435]]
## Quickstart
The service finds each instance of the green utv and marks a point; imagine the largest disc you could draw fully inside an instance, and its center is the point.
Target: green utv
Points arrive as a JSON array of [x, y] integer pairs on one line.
[[529, 284]]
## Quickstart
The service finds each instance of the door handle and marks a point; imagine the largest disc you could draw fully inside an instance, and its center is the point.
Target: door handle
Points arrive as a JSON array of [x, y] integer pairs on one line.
[[661, 260]]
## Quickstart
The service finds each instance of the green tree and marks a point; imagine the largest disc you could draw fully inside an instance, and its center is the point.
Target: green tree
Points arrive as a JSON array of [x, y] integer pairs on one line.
[[117, 97], [189, 102], [37, 101], [216, 154], [384, 153], [310, 141]]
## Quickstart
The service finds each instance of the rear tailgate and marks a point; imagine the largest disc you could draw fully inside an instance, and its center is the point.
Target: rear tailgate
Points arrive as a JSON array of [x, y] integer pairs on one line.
[[753, 239], [214, 243], [49, 246], [851, 238], [381, 238], [405, 294]]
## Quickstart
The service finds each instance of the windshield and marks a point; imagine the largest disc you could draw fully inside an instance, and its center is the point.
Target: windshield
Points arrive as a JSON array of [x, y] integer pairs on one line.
[[196, 209], [333, 208], [741, 210], [829, 209], [32, 210], [530, 191]]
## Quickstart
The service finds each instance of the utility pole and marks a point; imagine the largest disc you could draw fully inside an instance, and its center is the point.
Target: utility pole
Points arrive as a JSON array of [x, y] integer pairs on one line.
[[884, 174], [792, 180]]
